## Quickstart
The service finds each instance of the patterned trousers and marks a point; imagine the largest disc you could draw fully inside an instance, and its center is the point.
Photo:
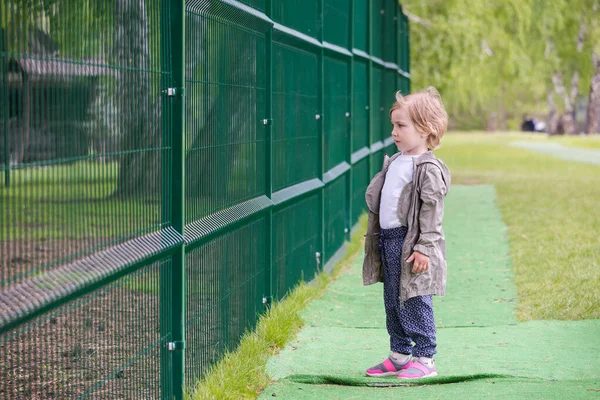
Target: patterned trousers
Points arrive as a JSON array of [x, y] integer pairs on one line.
[[411, 320]]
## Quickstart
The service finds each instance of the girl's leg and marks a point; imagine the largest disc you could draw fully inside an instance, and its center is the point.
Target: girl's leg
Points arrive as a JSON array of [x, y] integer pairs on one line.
[[419, 323], [400, 342], [391, 249]]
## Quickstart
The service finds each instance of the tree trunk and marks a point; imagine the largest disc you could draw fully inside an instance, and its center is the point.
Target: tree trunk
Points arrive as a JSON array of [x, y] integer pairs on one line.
[[566, 122], [559, 88], [21, 133], [552, 114], [502, 113], [593, 108], [140, 120], [569, 117]]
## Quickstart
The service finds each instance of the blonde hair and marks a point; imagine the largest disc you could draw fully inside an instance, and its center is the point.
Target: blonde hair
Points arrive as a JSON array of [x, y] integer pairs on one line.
[[427, 113]]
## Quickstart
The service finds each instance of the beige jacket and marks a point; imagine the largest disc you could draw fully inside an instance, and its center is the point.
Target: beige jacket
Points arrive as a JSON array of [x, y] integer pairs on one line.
[[421, 209]]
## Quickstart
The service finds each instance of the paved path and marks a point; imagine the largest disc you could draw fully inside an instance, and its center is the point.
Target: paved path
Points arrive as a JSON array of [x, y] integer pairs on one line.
[[590, 156]]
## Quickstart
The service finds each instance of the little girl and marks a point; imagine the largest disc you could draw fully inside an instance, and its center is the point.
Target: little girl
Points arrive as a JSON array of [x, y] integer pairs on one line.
[[405, 246]]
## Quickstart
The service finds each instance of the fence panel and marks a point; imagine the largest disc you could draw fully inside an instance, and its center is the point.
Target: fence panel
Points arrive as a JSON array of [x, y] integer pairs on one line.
[[295, 104], [360, 106], [170, 167]]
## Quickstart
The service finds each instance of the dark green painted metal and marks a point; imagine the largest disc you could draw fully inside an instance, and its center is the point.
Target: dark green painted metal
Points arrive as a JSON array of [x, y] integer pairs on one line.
[[377, 35], [323, 254], [178, 315], [360, 109], [371, 100], [261, 5], [378, 111], [252, 96], [165, 286], [360, 26], [208, 228], [268, 293], [302, 16], [337, 22], [336, 107], [61, 299], [296, 239], [407, 51], [297, 191], [335, 172], [225, 286], [335, 216], [360, 178], [295, 106], [350, 128], [4, 110]]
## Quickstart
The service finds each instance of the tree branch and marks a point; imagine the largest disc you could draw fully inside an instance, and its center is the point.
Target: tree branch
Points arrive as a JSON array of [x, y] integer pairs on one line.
[[415, 18]]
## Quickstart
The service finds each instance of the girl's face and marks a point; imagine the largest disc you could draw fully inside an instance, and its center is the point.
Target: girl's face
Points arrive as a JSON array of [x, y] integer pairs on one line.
[[408, 140]]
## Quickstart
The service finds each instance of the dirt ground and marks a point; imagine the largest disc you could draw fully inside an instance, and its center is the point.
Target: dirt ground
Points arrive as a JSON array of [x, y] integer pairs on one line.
[[109, 334], [23, 257], [107, 344]]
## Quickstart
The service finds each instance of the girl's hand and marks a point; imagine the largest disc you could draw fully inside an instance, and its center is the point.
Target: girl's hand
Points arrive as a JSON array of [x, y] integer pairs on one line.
[[421, 262]]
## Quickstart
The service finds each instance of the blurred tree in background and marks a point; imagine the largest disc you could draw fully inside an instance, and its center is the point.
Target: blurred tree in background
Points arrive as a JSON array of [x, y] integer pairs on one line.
[[496, 61]]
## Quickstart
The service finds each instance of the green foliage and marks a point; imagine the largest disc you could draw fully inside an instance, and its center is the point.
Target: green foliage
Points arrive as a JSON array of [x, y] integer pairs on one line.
[[490, 55]]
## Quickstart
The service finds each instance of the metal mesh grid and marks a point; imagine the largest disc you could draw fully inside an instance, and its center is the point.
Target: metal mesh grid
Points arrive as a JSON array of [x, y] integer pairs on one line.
[[105, 345], [360, 111], [225, 88], [361, 24], [378, 111], [337, 111], [108, 109], [302, 16], [295, 242], [75, 152], [335, 216], [360, 180], [295, 105], [336, 22], [224, 290], [377, 33]]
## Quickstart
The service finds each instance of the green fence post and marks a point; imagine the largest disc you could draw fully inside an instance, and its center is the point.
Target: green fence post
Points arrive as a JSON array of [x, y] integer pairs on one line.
[[268, 122], [407, 50], [5, 108], [370, 86], [177, 344], [321, 133], [166, 164], [350, 141]]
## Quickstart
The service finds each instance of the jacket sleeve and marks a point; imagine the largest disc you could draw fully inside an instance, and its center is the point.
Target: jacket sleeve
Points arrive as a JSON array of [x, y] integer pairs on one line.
[[432, 193]]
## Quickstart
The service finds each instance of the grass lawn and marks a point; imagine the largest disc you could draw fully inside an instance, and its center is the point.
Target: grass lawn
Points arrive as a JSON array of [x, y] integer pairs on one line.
[[551, 209], [71, 202]]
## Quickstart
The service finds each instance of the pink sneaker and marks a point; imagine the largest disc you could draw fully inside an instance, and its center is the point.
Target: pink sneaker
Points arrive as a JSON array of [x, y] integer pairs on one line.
[[388, 367], [415, 369]]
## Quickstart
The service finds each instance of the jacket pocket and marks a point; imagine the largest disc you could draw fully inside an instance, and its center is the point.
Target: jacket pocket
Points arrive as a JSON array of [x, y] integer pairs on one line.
[[372, 271]]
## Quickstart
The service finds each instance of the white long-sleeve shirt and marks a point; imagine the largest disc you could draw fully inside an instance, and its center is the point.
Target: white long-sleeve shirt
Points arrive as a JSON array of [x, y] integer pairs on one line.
[[398, 175]]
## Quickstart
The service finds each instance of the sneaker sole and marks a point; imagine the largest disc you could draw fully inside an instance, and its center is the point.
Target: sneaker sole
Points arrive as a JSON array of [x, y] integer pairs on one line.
[[382, 375], [433, 374]]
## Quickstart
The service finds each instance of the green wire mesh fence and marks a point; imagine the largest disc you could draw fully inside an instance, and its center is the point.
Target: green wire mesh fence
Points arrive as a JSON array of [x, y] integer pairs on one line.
[[169, 168]]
